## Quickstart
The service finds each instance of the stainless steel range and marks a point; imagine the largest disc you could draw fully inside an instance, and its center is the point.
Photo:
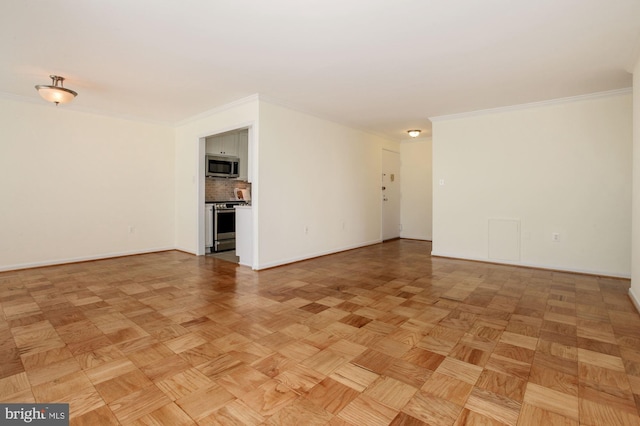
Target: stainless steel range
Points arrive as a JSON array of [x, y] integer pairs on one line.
[[224, 225]]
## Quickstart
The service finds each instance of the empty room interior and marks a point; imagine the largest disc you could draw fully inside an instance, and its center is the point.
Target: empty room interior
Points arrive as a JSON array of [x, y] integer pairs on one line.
[[327, 213]]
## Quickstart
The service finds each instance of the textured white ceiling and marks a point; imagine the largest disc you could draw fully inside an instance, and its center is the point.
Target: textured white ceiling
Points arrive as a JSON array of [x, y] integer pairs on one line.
[[379, 65]]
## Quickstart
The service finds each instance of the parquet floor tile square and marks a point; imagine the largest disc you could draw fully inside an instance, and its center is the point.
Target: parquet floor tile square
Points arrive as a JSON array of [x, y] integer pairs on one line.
[[552, 400], [494, 406], [234, 413], [409, 373], [325, 361], [52, 372], [167, 414], [508, 366], [423, 358], [554, 379], [390, 392], [99, 416], [166, 367], [218, 366], [530, 415], [204, 401], [470, 354], [460, 370], [448, 388], [384, 334], [432, 410], [594, 413], [374, 361], [367, 411], [621, 400], [301, 411], [332, 395], [354, 376], [300, 379], [183, 383], [403, 419], [138, 403], [440, 340], [269, 397]]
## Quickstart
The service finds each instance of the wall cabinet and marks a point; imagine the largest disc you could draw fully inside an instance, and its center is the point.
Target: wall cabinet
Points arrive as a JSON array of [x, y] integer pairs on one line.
[[225, 144]]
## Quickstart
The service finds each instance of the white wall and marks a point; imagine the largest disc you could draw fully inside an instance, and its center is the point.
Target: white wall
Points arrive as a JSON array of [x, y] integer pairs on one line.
[[560, 167], [318, 175], [189, 165], [634, 291], [72, 184], [416, 188]]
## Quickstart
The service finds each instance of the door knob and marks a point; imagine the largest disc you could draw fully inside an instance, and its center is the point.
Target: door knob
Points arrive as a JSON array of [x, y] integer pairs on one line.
[[384, 187]]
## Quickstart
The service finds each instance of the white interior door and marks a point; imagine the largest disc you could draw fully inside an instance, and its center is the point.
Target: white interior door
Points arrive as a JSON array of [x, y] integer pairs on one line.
[[390, 195]]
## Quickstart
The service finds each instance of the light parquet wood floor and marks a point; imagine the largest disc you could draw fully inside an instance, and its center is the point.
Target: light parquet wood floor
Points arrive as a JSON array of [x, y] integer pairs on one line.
[[379, 335]]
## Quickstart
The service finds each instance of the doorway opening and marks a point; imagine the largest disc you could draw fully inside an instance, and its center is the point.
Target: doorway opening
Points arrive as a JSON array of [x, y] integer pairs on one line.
[[390, 188]]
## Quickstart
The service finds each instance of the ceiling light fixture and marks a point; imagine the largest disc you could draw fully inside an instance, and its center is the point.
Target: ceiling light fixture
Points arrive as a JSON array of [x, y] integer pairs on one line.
[[56, 93], [414, 133]]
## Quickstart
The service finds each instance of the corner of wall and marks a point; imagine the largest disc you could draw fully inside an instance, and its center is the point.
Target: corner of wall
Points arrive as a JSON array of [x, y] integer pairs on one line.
[[635, 195]]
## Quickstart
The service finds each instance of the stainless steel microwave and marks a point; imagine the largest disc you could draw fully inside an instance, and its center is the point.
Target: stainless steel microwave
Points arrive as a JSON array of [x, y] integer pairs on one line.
[[222, 166]]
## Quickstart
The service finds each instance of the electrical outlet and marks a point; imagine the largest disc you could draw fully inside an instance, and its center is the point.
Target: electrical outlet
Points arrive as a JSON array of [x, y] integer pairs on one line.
[[306, 229], [555, 237], [132, 229]]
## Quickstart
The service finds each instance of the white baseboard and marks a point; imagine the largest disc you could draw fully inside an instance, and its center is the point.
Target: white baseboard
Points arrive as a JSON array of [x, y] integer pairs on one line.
[[634, 299], [415, 237], [312, 255], [53, 262], [536, 266], [186, 250]]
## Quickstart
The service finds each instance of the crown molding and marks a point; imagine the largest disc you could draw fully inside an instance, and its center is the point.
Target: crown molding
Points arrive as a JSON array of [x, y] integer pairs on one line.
[[218, 109], [550, 102]]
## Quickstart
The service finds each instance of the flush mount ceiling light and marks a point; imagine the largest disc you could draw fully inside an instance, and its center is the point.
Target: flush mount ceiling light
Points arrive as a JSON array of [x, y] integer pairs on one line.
[[56, 93], [414, 133]]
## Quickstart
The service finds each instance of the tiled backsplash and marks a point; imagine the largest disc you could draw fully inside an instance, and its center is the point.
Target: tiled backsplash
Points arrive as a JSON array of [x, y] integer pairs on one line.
[[222, 189]]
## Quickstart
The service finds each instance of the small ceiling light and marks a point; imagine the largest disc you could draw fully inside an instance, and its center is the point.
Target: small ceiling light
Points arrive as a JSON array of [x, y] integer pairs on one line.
[[414, 133], [56, 93]]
